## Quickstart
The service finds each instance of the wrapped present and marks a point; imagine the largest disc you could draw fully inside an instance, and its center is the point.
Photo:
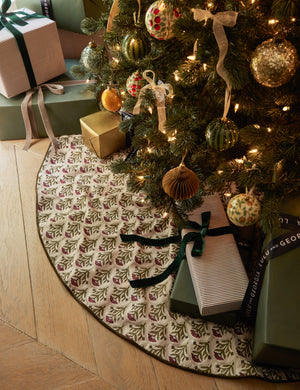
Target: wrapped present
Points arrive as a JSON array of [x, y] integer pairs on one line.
[[183, 299], [67, 14], [28, 45], [218, 275], [64, 110], [276, 335], [73, 43], [100, 133]]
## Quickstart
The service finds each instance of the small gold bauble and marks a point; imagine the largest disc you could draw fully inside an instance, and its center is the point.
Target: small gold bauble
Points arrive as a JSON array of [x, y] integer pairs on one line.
[[111, 100], [274, 63], [180, 183]]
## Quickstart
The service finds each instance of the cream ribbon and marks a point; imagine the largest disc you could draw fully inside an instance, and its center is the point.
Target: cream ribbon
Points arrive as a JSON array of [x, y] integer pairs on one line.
[[28, 114], [220, 19], [161, 91]]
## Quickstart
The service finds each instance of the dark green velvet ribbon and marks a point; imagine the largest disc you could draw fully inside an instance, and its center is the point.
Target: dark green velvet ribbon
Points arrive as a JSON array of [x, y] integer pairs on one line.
[[197, 237], [7, 20]]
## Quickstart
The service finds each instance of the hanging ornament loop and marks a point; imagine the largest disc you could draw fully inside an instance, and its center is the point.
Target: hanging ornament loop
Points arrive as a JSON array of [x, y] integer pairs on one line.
[[161, 91], [220, 19]]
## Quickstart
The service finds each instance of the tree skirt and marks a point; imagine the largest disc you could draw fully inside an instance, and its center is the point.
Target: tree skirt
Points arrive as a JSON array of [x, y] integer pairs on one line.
[[82, 207]]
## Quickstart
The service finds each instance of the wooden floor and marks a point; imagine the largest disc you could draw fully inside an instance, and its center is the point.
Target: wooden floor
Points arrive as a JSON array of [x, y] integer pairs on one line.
[[47, 340]]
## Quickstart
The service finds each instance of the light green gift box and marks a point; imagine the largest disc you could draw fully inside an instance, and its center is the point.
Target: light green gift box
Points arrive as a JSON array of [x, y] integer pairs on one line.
[[68, 14], [64, 110]]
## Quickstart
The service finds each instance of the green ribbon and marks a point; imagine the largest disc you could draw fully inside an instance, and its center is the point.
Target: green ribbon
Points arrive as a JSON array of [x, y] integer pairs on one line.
[[7, 20], [197, 237]]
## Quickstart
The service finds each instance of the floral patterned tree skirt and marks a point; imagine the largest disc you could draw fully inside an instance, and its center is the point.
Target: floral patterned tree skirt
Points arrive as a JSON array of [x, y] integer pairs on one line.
[[82, 208]]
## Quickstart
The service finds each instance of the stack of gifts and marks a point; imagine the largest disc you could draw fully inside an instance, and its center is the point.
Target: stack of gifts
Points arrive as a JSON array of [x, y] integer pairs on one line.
[[68, 15], [212, 285], [31, 55]]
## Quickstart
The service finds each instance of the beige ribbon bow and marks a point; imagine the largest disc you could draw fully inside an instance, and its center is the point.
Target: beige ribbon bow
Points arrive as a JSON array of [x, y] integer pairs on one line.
[[161, 91], [220, 19], [27, 109]]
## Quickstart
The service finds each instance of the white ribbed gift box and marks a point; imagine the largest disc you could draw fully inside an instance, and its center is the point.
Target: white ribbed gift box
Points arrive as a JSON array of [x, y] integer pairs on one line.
[[44, 49], [219, 277]]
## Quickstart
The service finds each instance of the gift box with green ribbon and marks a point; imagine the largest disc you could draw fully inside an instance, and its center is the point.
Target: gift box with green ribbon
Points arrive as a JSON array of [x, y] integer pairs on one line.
[[30, 50], [67, 14], [276, 336], [63, 110]]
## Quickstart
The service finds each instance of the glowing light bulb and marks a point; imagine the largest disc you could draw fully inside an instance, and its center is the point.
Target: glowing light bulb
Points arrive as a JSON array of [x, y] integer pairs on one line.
[[176, 75], [204, 67], [191, 58], [253, 150], [239, 160], [257, 126], [220, 172], [141, 177], [165, 214], [236, 107], [293, 20], [286, 108], [118, 47], [227, 194], [272, 21], [116, 60], [150, 110], [269, 129], [210, 5]]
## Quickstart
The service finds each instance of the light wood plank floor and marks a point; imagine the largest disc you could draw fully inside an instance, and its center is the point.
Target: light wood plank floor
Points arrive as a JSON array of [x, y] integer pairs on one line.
[[48, 340]]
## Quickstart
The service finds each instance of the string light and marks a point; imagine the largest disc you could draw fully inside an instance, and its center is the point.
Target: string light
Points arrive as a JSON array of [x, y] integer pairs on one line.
[[239, 160], [116, 60], [150, 110], [204, 67], [141, 177], [165, 214], [210, 5], [272, 21], [236, 107], [220, 172], [293, 20], [257, 126], [286, 108], [118, 47], [191, 58], [269, 129], [176, 75], [253, 151], [150, 150], [227, 194]]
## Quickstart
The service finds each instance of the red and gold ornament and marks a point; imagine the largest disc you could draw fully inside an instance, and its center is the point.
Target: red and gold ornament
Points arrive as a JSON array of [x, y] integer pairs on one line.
[[160, 19], [135, 83]]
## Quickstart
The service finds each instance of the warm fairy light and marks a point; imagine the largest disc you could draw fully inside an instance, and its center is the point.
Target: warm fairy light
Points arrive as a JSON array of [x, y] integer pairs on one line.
[[227, 194], [253, 151], [272, 21], [150, 110], [150, 150], [220, 172], [269, 129], [118, 47], [123, 93], [239, 160], [252, 1], [191, 58], [87, 80], [257, 126], [165, 214], [286, 108], [170, 139], [116, 60], [141, 177], [210, 5], [236, 107], [176, 75], [204, 67], [293, 20]]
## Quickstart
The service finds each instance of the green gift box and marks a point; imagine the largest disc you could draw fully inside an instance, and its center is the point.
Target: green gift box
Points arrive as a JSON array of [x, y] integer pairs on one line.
[[277, 336], [183, 299], [64, 110], [67, 14]]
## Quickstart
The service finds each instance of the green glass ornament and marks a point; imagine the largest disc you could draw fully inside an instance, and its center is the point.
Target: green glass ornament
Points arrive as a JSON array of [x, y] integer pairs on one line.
[[135, 45], [90, 56], [221, 134]]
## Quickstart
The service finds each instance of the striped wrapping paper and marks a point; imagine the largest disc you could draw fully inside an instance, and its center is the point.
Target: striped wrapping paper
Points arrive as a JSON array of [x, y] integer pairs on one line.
[[219, 277]]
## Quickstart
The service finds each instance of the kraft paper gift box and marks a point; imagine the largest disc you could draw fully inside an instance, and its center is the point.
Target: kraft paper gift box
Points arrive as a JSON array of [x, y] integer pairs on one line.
[[64, 111], [183, 299], [45, 54], [219, 277], [67, 14], [100, 133], [277, 326]]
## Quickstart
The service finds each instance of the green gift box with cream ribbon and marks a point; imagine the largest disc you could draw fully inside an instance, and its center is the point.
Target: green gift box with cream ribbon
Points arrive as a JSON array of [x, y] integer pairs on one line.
[[67, 14], [276, 336], [64, 110]]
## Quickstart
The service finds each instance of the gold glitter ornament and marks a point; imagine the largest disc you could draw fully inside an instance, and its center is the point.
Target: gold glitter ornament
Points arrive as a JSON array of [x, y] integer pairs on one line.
[[180, 183], [274, 62]]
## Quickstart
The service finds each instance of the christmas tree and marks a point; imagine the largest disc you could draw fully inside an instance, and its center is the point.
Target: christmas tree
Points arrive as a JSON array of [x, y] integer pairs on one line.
[[220, 110]]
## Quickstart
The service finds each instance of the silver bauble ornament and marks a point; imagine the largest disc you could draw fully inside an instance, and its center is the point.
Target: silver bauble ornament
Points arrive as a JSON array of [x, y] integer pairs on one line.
[[90, 57], [274, 63]]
